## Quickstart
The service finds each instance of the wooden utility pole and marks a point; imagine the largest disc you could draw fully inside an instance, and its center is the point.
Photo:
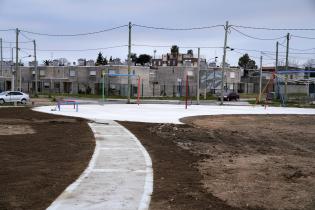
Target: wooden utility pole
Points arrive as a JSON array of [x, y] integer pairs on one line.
[[12, 73], [198, 78], [1, 57], [35, 68], [286, 69], [276, 70], [260, 79], [129, 63], [223, 61], [16, 57]]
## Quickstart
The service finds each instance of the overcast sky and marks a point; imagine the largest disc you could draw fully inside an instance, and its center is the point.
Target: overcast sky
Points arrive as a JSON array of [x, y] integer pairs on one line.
[[80, 16]]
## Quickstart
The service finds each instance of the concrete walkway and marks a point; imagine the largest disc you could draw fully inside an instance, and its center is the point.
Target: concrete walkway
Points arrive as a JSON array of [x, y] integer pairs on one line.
[[119, 175]]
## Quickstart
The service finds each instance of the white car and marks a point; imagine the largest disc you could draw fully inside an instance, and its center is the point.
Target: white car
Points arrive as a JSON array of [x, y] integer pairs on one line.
[[14, 96]]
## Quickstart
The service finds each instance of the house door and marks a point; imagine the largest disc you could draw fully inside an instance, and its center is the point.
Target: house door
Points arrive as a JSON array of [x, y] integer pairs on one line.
[[8, 85], [67, 87]]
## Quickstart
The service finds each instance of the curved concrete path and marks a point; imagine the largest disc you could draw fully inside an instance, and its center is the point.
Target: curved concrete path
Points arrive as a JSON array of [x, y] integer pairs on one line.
[[119, 175]]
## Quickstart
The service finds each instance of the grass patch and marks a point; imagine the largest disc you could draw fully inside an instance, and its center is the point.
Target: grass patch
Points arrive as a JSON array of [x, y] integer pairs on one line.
[[54, 97]]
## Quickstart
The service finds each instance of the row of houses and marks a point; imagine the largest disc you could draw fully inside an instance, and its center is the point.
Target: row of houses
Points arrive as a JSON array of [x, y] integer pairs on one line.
[[157, 81], [160, 81]]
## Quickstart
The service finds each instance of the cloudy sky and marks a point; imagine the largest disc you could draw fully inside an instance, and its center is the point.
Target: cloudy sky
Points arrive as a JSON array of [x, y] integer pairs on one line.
[[80, 16]]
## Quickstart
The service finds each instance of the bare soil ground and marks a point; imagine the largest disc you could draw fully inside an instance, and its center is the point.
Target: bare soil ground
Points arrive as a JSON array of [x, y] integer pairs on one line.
[[232, 162], [40, 155]]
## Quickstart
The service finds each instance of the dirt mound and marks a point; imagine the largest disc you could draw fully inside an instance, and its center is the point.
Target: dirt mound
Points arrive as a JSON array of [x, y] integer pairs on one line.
[[232, 162]]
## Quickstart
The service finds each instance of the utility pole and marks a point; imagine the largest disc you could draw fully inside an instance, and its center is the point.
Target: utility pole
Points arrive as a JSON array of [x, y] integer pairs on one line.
[[103, 86], [13, 79], [276, 70], [260, 79], [286, 69], [129, 62], [1, 57], [223, 62], [198, 78], [16, 56], [35, 69], [20, 77]]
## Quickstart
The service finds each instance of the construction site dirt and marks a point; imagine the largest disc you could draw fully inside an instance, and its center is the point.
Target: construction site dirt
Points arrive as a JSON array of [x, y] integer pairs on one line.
[[232, 162], [40, 155]]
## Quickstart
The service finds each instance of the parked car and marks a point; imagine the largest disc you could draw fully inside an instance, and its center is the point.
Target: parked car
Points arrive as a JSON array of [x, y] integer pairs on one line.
[[229, 96], [13, 96]]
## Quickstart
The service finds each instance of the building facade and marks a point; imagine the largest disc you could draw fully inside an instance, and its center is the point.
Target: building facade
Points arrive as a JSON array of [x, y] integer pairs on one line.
[[160, 81]]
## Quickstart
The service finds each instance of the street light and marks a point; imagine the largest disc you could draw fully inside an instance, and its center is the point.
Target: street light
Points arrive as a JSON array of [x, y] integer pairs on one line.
[[20, 78], [223, 73]]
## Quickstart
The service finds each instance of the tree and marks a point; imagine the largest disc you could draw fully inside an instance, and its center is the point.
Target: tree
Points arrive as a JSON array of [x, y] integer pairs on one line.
[[190, 52], [174, 50], [143, 59], [100, 59], [133, 57], [46, 62], [111, 59], [105, 62], [246, 63]]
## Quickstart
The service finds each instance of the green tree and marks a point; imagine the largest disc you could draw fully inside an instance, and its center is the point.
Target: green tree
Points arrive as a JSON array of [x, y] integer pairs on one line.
[[133, 57], [174, 50], [46, 62], [246, 63], [111, 59], [105, 62], [100, 59], [190, 52], [143, 59]]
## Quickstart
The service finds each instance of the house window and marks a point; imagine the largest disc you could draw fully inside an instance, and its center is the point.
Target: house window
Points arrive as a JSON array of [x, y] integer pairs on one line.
[[72, 73], [93, 73], [46, 85], [232, 75], [57, 85], [42, 73]]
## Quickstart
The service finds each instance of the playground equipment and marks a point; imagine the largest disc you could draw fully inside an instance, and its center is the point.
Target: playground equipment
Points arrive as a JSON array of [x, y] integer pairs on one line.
[[68, 102], [282, 80]]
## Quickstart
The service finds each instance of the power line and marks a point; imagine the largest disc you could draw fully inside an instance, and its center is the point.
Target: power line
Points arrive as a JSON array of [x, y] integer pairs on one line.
[[168, 46], [303, 37], [177, 29], [146, 45], [77, 50], [275, 29], [264, 51], [11, 42], [302, 51], [258, 38], [241, 53], [79, 34], [26, 37], [7, 29], [24, 51], [273, 53]]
